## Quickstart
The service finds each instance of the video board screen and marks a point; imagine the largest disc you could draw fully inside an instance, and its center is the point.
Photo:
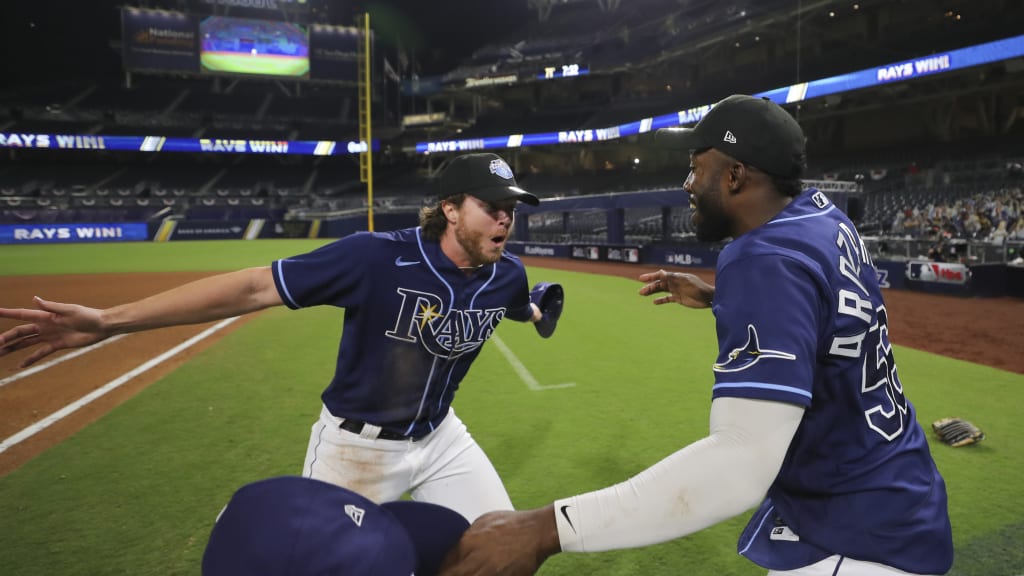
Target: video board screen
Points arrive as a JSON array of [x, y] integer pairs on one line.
[[256, 47]]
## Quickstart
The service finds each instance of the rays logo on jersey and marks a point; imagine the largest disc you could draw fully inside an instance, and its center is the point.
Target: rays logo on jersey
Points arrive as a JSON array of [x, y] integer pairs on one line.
[[747, 355], [446, 334]]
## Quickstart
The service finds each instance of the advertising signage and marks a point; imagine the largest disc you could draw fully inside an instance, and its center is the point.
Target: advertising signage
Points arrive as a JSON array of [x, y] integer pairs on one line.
[[159, 40]]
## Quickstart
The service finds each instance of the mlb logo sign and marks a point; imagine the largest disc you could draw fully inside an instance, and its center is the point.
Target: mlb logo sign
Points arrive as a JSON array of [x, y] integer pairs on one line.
[[820, 200]]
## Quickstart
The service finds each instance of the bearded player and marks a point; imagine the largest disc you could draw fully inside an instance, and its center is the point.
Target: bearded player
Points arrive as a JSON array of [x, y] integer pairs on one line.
[[809, 422], [419, 304]]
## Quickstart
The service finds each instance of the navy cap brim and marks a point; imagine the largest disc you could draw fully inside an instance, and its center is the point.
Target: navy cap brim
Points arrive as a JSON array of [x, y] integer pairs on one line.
[[499, 193], [296, 525], [434, 530], [679, 139]]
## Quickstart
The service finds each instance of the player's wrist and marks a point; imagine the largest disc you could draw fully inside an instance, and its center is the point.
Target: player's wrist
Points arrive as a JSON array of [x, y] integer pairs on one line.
[[547, 533], [708, 294]]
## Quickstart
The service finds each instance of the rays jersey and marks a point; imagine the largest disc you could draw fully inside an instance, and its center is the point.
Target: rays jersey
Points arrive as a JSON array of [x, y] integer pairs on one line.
[[800, 319], [413, 322]]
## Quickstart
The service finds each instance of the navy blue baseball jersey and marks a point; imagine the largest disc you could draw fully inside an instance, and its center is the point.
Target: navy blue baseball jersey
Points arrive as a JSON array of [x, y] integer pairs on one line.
[[414, 322], [801, 319]]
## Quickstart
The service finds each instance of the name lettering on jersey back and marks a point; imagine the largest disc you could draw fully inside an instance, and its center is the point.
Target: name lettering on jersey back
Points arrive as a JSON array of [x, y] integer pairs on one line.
[[447, 334], [854, 255], [869, 346]]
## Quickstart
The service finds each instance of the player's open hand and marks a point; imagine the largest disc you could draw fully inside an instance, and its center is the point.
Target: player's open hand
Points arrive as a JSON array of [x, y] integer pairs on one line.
[[54, 326], [682, 288]]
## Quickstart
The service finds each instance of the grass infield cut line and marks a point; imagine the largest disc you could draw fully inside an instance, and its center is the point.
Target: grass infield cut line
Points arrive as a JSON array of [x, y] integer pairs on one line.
[[40, 367], [521, 370], [108, 387]]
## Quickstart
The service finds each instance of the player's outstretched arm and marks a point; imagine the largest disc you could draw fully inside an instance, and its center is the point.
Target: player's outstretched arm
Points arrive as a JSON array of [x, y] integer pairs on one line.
[[55, 326], [683, 288], [698, 486]]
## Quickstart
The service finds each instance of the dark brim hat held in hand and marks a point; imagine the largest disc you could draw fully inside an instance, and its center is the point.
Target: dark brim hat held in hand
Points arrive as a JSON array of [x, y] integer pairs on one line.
[[294, 526]]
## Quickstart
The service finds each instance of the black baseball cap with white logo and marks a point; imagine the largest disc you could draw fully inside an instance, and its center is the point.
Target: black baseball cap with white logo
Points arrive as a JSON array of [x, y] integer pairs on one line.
[[485, 176], [755, 131]]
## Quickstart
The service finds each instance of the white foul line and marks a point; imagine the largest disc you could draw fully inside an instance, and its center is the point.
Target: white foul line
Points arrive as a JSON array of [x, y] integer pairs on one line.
[[520, 369], [55, 361], [108, 387]]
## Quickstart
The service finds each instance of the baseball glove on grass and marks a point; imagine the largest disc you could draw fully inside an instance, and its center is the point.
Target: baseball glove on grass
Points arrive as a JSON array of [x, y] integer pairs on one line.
[[549, 297], [957, 432]]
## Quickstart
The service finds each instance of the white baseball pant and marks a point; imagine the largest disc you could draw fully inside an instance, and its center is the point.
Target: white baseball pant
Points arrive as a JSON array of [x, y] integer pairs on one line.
[[446, 467], [841, 566]]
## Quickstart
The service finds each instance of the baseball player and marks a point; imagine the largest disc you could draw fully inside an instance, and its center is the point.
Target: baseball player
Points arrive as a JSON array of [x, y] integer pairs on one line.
[[809, 419], [419, 304]]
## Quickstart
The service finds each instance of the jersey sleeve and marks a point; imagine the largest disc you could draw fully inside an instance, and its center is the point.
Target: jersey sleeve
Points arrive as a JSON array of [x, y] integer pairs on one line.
[[336, 274], [768, 310], [519, 308]]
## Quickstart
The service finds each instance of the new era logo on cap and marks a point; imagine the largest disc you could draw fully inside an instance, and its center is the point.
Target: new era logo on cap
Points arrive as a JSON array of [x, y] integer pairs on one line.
[[304, 527], [755, 131], [355, 513]]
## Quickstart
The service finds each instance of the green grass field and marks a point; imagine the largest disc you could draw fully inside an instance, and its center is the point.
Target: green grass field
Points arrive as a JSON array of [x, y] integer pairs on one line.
[[267, 64], [137, 492]]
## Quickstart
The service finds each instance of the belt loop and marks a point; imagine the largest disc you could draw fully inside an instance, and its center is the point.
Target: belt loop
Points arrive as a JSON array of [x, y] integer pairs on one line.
[[369, 431]]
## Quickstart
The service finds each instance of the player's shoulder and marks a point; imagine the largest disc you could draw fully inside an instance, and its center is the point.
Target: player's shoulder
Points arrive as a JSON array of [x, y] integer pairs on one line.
[[364, 237], [510, 259]]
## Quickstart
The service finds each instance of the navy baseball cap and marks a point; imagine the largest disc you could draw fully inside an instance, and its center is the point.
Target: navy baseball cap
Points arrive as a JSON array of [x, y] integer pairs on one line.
[[485, 176], [753, 130], [295, 526]]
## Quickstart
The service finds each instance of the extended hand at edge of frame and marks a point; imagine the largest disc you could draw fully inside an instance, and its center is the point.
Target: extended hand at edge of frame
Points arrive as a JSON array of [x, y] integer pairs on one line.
[[683, 288], [54, 326]]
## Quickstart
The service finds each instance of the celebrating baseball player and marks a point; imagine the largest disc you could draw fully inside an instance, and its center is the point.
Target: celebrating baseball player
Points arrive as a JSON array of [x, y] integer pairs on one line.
[[419, 304], [809, 418]]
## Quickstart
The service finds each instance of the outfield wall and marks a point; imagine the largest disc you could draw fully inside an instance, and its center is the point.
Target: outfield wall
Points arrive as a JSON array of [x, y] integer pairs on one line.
[[953, 278]]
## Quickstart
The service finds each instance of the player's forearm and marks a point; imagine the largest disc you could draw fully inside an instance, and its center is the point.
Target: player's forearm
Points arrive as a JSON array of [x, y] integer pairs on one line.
[[706, 482], [204, 300]]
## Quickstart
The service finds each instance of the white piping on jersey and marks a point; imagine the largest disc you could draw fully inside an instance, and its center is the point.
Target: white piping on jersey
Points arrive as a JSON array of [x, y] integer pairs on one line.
[[815, 215], [447, 381], [758, 530], [423, 399], [419, 242], [762, 386], [433, 364], [472, 303], [451, 303], [284, 286], [494, 272]]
